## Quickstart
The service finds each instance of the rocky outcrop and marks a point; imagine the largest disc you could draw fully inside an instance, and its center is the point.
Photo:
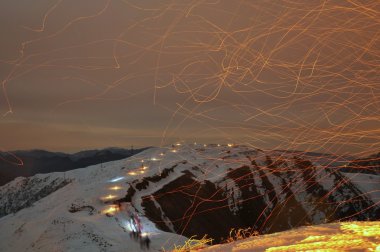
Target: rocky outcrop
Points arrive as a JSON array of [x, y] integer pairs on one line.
[[268, 193]]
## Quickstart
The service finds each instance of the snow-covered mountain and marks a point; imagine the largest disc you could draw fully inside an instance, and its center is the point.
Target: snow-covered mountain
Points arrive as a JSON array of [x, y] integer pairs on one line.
[[209, 190], [178, 192], [72, 211]]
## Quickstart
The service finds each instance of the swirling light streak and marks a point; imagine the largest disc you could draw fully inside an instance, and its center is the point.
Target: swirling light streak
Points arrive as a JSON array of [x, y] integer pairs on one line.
[[284, 75]]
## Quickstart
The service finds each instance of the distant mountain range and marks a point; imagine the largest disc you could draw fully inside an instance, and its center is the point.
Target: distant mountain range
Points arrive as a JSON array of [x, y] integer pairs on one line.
[[41, 161], [369, 165]]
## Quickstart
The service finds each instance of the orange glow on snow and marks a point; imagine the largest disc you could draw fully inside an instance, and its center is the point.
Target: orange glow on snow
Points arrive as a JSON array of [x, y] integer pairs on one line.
[[115, 188], [344, 236], [111, 209], [109, 197]]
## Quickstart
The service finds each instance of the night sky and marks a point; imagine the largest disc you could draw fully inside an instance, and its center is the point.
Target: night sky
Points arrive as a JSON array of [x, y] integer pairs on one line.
[[300, 75]]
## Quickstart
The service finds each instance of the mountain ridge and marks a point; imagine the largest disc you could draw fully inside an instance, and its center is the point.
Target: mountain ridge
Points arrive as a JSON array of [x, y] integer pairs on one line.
[[26, 163], [178, 192]]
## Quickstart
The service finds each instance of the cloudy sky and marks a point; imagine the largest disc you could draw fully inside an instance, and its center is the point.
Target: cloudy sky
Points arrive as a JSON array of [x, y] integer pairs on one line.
[[80, 74]]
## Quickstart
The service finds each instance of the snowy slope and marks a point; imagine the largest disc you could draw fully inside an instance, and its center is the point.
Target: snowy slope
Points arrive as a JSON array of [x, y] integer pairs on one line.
[[48, 225], [367, 183], [349, 236], [185, 189]]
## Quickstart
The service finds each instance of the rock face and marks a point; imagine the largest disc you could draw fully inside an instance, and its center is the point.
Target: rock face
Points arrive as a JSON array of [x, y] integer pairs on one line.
[[239, 188]]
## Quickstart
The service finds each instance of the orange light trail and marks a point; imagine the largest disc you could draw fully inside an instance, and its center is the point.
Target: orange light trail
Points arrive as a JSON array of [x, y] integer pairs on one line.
[[276, 75]]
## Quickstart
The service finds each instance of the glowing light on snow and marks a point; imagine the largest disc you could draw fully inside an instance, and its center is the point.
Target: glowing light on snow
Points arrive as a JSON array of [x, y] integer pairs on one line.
[[128, 225], [342, 237], [111, 209], [116, 179], [174, 151], [109, 197], [230, 145], [361, 229], [115, 188], [132, 173]]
